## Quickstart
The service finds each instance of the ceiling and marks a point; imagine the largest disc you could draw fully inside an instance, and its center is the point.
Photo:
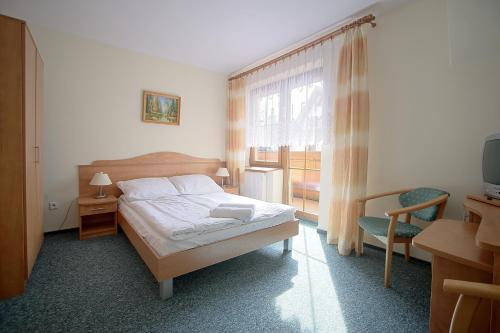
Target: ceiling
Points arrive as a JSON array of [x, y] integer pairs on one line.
[[219, 35]]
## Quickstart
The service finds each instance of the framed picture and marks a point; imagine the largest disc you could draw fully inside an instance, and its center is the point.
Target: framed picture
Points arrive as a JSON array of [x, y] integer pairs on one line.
[[161, 108]]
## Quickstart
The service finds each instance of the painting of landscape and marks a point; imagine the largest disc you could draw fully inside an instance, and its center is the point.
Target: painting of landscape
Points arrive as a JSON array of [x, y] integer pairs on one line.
[[161, 108]]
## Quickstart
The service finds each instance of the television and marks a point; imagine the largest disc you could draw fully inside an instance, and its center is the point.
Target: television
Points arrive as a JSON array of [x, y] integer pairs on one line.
[[491, 166]]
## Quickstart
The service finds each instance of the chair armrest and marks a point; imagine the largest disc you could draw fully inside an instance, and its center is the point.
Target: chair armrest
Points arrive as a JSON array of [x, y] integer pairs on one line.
[[384, 194], [475, 289], [409, 209]]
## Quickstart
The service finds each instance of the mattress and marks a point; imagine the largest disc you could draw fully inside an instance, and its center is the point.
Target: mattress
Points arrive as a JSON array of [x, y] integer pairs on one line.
[[165, 246]]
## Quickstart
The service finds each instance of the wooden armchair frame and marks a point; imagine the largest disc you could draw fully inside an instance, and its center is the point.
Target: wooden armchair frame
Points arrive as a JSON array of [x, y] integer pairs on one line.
[[394, 214], [471, 294]]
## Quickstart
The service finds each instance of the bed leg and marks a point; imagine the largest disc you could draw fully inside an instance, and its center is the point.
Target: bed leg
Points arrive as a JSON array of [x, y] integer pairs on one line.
[[287, 244], [166, 288]]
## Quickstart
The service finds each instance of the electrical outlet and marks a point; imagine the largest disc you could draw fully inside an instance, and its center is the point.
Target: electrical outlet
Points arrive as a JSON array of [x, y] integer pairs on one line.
[[53, 205]]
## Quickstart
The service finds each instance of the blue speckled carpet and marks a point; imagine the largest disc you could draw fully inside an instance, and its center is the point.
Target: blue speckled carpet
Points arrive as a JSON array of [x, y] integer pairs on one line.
[[102, 285]]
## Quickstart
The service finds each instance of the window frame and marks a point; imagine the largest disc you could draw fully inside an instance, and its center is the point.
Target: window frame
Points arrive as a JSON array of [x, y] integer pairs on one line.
[[258, 163], [302, 213]]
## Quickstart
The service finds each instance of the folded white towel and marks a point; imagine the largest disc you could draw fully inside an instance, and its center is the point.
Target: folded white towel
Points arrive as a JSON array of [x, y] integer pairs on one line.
[[243, 214], [237, 205]]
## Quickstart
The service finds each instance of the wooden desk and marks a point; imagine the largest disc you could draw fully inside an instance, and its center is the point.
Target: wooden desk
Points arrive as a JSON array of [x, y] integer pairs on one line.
[[463, 251], [488, 238], [488, 212]]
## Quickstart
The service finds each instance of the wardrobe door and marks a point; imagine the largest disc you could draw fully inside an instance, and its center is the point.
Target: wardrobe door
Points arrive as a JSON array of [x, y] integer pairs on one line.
[[30, 150], [12, 267], [38, 228]]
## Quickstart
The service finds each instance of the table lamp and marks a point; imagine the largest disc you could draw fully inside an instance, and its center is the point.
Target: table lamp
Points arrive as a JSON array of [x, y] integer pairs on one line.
[[100, 179], [222, 172]]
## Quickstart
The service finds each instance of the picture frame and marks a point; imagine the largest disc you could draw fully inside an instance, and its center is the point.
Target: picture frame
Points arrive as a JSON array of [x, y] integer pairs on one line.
[[161, 108]]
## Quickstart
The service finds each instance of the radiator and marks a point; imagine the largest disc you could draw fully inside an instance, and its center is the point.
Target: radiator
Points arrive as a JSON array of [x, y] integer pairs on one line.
[[264, 184]]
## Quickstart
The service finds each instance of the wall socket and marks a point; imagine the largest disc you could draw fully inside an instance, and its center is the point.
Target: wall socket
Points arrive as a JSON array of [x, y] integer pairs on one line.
[[53, 205]]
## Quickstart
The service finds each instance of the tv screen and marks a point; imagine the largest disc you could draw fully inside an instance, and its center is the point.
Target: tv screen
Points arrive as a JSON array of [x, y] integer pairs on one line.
[[491, 162]]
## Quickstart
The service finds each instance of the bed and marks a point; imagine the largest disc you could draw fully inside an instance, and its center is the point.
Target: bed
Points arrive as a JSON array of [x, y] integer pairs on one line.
[[167, 258]]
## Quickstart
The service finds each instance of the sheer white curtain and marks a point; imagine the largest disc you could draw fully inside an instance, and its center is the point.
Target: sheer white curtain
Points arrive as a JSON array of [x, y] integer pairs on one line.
[[289, 103]]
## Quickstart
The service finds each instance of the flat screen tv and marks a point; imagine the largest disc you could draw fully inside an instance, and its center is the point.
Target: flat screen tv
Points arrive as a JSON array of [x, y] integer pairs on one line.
[[491, 166]]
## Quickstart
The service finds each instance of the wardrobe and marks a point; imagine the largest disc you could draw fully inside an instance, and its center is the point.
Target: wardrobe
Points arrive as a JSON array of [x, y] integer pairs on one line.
[[21, 199]]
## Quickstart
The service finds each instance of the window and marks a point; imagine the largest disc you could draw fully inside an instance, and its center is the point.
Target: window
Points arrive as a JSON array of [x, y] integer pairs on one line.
[[267, 116], [287, 117], [287, 112], [304, 165], [265, 156]]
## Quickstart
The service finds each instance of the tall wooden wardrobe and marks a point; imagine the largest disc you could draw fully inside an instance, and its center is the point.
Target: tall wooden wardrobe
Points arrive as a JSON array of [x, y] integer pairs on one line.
[[21, 199]]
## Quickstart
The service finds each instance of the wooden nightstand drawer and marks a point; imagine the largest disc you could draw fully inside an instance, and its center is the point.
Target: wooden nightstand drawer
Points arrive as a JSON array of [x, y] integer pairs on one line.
[[97, 216], [97, 209]]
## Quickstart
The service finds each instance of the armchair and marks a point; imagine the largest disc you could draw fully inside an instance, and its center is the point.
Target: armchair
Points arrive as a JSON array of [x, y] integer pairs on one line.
[[471, 294], [424, 203]]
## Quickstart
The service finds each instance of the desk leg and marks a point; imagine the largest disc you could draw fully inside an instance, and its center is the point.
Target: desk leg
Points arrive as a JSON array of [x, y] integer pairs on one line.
[[473, 217], [495, 306]]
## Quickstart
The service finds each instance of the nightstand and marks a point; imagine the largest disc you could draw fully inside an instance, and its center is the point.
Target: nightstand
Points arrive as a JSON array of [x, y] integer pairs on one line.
[[97, 216], [231, 189]]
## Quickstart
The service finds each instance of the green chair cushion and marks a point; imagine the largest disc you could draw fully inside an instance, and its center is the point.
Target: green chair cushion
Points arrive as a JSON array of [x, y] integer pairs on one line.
[[378, 226], [421, 195]]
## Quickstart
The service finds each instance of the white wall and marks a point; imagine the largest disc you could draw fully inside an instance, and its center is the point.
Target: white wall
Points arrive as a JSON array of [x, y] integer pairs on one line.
[[428, 117], [93, 95]]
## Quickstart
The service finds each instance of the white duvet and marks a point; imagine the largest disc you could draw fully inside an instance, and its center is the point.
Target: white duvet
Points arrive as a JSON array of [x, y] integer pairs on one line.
[[263, 210], [177, 218], [186, 216]]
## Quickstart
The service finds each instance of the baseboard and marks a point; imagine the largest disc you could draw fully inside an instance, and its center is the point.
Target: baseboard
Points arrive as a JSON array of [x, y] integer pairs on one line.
[[61, 231], [381, 248], [394, 253]]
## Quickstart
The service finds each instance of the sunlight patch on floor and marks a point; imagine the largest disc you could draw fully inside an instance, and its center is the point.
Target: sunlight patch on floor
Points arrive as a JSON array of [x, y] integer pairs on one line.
[[312, 301]]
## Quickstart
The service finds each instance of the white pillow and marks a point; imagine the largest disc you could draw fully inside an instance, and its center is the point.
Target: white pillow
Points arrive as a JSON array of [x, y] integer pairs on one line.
[[195, 184], [146, 188]]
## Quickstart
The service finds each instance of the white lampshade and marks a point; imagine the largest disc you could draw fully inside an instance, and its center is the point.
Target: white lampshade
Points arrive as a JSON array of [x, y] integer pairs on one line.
[[100, 179], [222, 172]]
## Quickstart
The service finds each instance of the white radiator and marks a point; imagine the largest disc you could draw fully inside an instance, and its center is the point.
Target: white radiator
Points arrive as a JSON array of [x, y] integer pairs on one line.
[[264, 184]]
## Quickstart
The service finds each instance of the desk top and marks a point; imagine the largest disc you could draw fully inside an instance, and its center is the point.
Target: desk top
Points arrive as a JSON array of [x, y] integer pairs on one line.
[[488, 233], [455, 240]]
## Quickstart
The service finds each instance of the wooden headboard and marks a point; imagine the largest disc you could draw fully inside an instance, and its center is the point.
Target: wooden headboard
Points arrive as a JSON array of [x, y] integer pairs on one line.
[[163, 164]]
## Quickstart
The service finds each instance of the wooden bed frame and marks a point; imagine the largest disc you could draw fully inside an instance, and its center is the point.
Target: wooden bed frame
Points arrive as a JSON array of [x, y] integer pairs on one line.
[[166, 164]]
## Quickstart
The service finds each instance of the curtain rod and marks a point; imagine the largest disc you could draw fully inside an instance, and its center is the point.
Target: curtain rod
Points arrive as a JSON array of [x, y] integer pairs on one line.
[[363, 20]]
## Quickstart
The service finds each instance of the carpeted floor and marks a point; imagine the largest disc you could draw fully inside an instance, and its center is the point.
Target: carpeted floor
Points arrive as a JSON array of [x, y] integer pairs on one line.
[[102, 285]]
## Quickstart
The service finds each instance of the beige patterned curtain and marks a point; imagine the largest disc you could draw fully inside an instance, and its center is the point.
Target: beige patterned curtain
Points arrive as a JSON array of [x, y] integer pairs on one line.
[[350, 143], [235, 150]]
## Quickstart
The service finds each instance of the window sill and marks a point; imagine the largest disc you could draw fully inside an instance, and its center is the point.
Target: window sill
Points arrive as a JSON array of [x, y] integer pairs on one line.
[[262, 169]]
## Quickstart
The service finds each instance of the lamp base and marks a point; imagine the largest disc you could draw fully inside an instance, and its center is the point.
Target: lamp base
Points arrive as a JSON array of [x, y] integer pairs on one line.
[[101, 194]]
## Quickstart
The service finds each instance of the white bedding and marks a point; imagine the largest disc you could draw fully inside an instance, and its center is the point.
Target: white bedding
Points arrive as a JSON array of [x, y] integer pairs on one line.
[[144, 219], [263, 210], [177, 218]]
